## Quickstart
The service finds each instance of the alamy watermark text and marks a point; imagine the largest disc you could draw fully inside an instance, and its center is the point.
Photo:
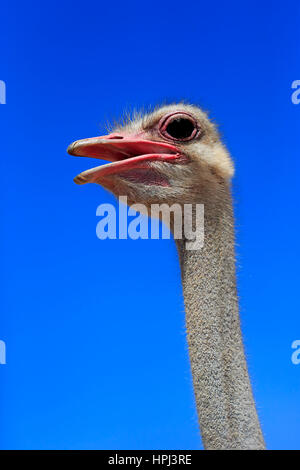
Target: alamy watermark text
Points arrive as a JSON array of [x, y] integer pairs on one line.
[[187, 222], [2, 92]]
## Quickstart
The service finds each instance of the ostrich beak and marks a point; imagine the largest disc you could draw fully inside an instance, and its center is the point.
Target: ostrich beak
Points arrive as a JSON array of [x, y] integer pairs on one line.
[[125, 153]]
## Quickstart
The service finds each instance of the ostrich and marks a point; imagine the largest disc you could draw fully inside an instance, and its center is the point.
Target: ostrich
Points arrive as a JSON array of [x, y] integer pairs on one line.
[[174, 155]]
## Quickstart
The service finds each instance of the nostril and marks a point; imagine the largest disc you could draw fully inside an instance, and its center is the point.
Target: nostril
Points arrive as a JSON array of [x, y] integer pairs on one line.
[[115, 136]]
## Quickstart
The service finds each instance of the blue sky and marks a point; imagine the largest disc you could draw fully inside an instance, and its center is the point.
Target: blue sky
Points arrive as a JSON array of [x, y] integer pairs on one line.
[[94, 330]]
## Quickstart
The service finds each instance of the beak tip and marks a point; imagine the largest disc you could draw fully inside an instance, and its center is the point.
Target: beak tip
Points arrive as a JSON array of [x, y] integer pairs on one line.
[[79, 180], [71, 149]]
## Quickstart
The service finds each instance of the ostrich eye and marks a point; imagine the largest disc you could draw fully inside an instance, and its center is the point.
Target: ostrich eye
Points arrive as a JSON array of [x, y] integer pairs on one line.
[[179, 127]]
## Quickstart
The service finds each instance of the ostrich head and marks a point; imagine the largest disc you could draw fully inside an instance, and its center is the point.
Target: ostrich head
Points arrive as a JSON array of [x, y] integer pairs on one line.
[[159, 157]]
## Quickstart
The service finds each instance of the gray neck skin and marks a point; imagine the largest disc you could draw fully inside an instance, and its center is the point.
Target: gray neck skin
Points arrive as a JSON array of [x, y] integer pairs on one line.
[[225, 404]]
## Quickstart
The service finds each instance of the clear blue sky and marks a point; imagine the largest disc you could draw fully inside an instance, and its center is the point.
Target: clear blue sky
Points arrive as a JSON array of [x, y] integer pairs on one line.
[[96, 350]]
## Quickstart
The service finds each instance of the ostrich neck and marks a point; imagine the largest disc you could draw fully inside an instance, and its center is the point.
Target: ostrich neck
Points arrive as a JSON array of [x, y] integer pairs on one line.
[[225, 404]]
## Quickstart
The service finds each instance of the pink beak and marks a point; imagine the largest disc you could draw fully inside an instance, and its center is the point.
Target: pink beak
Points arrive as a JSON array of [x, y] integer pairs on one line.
[[124, 152]]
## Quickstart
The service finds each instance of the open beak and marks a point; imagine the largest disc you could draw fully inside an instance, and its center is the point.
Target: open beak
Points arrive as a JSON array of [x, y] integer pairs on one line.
[[125, 153]]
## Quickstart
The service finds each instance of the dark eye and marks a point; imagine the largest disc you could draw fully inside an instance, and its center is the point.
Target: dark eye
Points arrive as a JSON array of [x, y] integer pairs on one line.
[[179, 127]]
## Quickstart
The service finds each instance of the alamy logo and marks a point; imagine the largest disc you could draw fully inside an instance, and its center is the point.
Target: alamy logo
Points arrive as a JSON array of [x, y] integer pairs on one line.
[[187, 222], [2, 92], [2, 352], [296, 94], [296, 354]]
